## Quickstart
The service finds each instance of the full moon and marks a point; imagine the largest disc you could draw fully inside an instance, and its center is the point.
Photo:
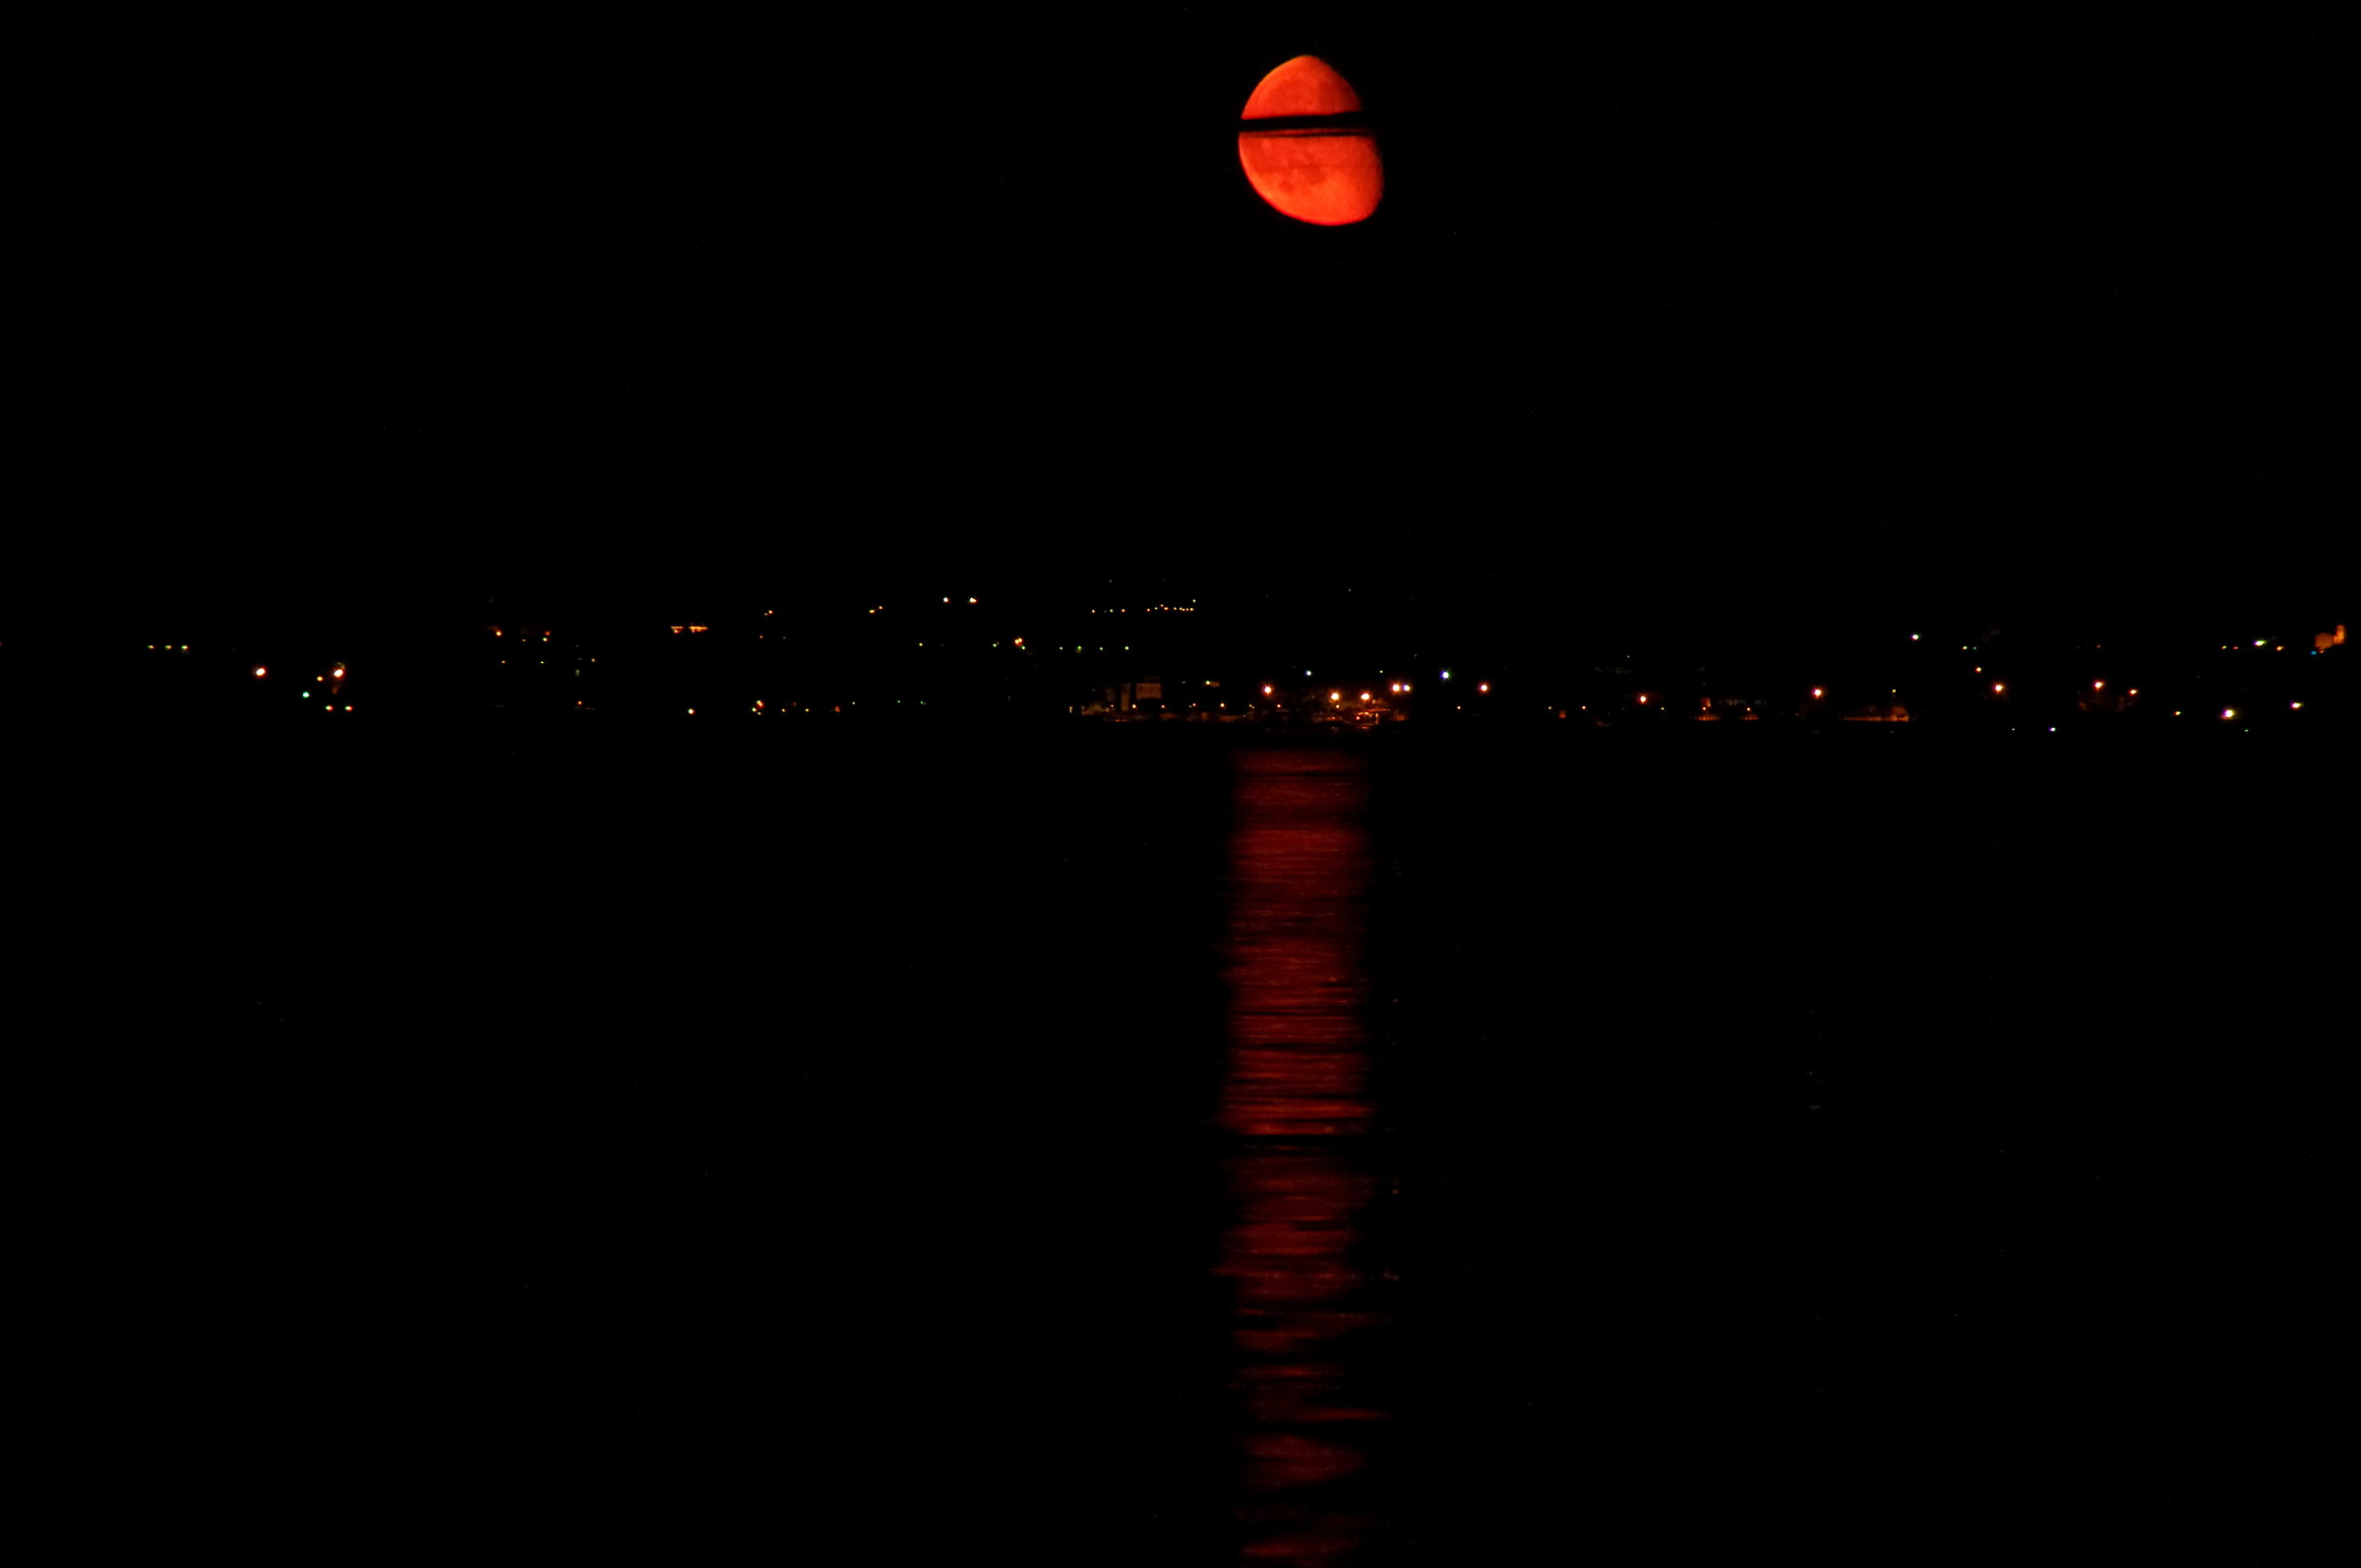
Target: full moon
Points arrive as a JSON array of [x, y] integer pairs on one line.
[[1319, 165]]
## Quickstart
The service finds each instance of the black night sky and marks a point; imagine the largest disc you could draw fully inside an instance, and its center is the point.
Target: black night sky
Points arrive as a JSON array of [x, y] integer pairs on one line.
[[1761, 315], [611, 1069]]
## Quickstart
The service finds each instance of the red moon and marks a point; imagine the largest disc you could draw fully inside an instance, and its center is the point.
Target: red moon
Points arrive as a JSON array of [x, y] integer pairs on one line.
[[1312, 172]]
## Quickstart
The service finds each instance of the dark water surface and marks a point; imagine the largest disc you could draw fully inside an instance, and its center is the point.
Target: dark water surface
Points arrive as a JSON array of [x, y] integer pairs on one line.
[[1306, 1301], [1140, 1147]]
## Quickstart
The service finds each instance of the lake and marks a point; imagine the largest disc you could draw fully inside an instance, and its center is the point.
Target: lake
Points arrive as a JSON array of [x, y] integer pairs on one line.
[[1172, 1145]]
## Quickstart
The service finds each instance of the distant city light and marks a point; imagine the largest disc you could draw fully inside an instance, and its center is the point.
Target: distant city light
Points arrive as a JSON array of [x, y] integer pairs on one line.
[[337, 672], [1483, 686], [1998, 688], [1446, 675], [1816, 691], [260, 672], [2229, 713], [1266, 691], [1913, 636]]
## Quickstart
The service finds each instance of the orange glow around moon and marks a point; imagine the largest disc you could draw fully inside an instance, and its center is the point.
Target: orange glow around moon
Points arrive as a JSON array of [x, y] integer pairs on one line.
[[1312, 172]]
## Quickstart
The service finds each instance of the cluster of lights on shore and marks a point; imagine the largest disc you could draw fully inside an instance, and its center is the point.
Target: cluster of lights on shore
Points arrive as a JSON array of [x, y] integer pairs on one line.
[[1398, 687], [262, 672], [1393, 688], [1339, 694]]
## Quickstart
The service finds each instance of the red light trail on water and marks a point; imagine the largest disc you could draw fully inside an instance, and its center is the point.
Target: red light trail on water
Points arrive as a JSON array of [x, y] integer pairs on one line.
[[1294, 959]]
